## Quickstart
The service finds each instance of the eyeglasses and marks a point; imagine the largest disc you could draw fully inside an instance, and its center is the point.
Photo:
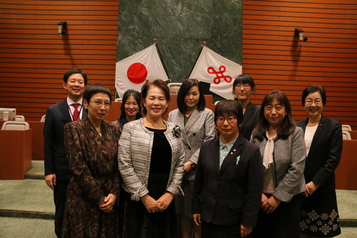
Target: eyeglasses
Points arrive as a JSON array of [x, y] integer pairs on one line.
[[100, 103], [317, 102], [246, 85], [230, 120]]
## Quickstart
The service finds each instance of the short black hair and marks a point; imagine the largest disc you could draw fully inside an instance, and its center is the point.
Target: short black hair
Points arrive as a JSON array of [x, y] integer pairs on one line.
[[94, 89], [311, 89], [244, 79], [75, 71], [185, 87], [231, 108]]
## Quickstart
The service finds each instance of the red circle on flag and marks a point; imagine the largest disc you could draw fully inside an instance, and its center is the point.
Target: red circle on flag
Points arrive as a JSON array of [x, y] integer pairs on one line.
[[137, 73]]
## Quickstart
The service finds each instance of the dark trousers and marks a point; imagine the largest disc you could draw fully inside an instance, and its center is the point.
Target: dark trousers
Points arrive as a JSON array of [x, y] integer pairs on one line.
[[210, 230], [59, 194], [282, 223]]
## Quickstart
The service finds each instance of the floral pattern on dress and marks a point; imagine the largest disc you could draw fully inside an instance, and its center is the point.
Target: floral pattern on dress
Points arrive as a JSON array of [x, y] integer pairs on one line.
[[322, 223]]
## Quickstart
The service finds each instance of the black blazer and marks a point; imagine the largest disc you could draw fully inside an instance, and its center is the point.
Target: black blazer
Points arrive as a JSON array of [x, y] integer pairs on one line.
[[250, 120], [57, 117], [232, 194], [325, 152]]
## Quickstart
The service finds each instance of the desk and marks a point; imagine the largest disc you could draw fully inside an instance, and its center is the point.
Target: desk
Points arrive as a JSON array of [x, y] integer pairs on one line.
[[346, 172], [15, 153], [115, 111], [37, 139]]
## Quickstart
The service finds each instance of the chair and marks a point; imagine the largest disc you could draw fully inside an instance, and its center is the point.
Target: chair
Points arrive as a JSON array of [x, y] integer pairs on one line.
[[174, 87], [15, 125], [118, 100], [43, 118], [19, 118], [346, 128], [346, 135]]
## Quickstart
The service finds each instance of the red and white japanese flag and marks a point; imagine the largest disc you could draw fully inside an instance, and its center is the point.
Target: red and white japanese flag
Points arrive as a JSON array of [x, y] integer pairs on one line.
[[220, 72], [132, 72]]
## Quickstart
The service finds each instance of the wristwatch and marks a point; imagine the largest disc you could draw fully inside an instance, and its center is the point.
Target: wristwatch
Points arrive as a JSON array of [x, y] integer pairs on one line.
[[193, 165]]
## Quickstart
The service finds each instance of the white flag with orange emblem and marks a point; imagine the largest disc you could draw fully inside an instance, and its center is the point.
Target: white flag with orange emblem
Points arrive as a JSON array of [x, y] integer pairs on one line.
[[132, 72], [216, 70]]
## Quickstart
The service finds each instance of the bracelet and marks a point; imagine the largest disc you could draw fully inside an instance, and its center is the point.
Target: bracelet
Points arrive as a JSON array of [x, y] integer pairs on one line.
[[173, 195]]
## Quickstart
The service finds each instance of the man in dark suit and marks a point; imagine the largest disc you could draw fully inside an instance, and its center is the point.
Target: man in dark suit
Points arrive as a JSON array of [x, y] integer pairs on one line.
[[229, 179], [57, 173]]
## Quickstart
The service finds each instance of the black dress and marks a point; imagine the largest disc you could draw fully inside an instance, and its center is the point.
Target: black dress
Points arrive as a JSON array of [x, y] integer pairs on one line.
[[319, 212], [135, 221]]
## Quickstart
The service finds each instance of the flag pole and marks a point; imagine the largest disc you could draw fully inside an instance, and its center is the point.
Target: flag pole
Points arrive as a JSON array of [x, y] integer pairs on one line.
[[163, 65]]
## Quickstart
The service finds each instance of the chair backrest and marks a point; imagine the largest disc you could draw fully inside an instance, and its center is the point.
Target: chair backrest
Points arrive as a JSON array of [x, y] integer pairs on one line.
[[174, 87], [118, 100], [346, 135], [15, 125], [19, 118], [43, 118], [346, 128]]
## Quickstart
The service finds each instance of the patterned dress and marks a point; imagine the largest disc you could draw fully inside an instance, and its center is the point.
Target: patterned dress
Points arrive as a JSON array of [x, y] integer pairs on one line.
[[93, 162], [319, 212]]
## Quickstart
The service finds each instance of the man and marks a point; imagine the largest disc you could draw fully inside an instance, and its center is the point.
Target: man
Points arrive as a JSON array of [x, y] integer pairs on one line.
[[57, 173]]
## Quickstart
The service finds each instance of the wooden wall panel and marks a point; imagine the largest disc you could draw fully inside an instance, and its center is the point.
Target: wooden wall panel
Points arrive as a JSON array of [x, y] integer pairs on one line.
[[276, 59], [34, 57]]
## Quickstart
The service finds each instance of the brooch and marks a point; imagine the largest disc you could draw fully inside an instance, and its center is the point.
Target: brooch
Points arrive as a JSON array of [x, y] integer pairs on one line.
[[176, 132]]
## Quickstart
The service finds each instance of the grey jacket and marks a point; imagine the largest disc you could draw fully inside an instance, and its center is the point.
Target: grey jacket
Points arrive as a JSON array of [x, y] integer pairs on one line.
[[289, 161], [199, 128], [135, 146]]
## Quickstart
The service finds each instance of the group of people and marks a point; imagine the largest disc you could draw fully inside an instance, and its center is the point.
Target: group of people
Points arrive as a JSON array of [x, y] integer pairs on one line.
[[242, 171]]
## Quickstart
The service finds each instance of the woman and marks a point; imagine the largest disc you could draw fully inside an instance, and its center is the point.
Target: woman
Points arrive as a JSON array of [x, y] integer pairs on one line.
[[151, 165], [282, 145], [229, 179], [243, 88], [130, 107], [323, 139], [92, 149], [197, 125]]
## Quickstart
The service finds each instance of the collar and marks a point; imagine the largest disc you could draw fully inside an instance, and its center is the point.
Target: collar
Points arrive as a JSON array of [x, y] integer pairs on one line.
[[70, 101], [229, 145]]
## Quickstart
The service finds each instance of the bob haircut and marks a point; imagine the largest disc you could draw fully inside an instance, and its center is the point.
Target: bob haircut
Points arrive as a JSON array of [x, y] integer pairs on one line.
[[243, 79], [229, 108], [93, 89], [287, 126], [159, 83], [136, 95], [75, 71], [185, 87], [312, 89]]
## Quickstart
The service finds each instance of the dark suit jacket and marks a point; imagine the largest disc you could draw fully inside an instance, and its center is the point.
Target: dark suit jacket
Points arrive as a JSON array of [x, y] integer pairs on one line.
[[325, 152], [232, 194], [57, 117], [250, 120]]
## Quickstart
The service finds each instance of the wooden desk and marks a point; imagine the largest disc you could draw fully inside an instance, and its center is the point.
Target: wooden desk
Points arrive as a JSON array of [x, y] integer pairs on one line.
[[37, 139], [115, 111], [15, 153], [346, 172]]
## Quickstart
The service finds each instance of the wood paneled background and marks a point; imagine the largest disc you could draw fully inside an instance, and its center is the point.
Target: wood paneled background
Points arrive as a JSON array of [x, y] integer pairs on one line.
[[33, 57], [275, 58]]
